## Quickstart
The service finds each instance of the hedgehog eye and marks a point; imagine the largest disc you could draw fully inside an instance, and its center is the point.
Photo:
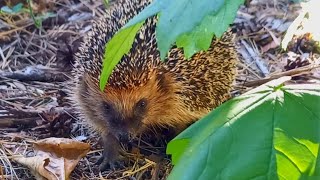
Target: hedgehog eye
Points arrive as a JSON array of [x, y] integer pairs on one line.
[[106, 106], [142, 103]]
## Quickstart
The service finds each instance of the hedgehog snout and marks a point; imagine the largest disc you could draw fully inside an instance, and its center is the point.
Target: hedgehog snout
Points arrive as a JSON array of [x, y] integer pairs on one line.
[[123, 137], [124, 128], [121, 133]]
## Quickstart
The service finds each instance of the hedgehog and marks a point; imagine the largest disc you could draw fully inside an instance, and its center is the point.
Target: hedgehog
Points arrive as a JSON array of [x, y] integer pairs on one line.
[[143, 91]]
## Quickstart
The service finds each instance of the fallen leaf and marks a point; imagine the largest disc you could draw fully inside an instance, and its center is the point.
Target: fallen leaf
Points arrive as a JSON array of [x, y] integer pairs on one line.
[[37, 166], [55, 158]]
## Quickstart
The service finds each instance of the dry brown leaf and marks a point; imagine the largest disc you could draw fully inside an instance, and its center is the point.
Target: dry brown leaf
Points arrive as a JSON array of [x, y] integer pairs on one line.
[[55, 158], [37, 166]]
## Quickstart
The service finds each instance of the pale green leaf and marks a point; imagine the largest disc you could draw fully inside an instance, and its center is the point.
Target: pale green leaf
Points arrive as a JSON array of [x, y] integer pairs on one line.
[[271, 132], [118, 46], [6, 9], [180, 17], [213, 24], [177, 19], [152, 9], [17, 8]]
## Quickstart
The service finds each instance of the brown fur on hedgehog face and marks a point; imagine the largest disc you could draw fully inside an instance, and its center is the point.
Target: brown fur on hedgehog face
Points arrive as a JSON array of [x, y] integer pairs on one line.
[[128, 111]]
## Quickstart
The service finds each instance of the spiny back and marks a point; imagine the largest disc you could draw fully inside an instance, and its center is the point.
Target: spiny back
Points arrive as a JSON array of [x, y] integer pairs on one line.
[[204, 81], [90, 56]]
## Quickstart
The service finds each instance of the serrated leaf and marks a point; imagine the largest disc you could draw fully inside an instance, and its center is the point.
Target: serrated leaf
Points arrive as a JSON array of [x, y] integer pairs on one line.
[[271, 132], [189, 22], [180, 17], [213, 24], [176, 18], [118, 46], [193, 42]]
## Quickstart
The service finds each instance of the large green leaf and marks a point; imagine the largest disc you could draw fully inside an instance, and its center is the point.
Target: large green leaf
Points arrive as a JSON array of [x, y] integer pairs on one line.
[[213, 24], [191, 22], [176, 17], [271, 132], [118, 46], [155, 7], [181, 17]]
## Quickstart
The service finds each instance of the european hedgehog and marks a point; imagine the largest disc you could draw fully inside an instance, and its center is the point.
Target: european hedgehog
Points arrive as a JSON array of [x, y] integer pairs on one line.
[[143, 91]]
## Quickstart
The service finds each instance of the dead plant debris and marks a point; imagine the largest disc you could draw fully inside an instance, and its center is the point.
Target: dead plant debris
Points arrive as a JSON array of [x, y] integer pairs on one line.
[[36, 56]]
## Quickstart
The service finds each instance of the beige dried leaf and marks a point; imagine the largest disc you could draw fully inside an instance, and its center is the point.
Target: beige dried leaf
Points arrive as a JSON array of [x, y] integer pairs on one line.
[[37, 166], [55, 158]]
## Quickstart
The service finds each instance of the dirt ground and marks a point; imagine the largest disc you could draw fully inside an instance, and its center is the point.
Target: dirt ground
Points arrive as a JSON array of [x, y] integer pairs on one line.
[[36, 57]]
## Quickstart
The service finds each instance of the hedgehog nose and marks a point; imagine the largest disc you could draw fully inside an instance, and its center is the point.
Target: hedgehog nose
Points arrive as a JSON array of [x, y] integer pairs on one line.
[[124, 137]]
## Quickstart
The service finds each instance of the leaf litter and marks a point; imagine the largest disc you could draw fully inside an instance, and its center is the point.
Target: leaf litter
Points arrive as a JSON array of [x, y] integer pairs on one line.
[[34, 107], [55, 158]]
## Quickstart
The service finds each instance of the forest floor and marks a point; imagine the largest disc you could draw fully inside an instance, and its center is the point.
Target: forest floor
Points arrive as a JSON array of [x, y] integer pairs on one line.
[[36, 57]]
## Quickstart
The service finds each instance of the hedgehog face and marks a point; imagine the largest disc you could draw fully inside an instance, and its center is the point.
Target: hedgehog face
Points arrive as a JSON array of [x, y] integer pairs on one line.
[[127, 111], [123, 116]]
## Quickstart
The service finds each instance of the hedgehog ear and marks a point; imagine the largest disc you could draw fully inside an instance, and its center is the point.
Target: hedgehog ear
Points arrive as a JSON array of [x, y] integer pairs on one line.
[[163, 82], [83, 86], [87, 84]]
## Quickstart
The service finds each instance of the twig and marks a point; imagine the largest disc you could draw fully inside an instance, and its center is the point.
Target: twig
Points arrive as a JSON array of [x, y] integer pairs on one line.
[[11, 123], [36, 73], [22, 28], [293, 72], [257, 59]]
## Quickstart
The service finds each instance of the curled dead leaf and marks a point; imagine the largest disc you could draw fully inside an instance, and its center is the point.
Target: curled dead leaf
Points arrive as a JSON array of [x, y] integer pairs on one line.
[[63, 147], [55, 158], [37, 166]]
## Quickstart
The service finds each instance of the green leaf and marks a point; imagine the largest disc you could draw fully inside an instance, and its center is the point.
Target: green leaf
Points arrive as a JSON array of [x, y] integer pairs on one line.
[[45, 16], [149, 11], [6, 9], [190, 23], [36, 21], [180, 17], [119, 45], [213, 24], [177, 148], [177, 18], [17, 8], [271, 132], [106, 3]]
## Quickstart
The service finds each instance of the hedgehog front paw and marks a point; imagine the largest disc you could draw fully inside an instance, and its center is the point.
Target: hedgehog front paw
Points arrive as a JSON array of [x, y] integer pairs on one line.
[[108, 161], [111, 155]]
